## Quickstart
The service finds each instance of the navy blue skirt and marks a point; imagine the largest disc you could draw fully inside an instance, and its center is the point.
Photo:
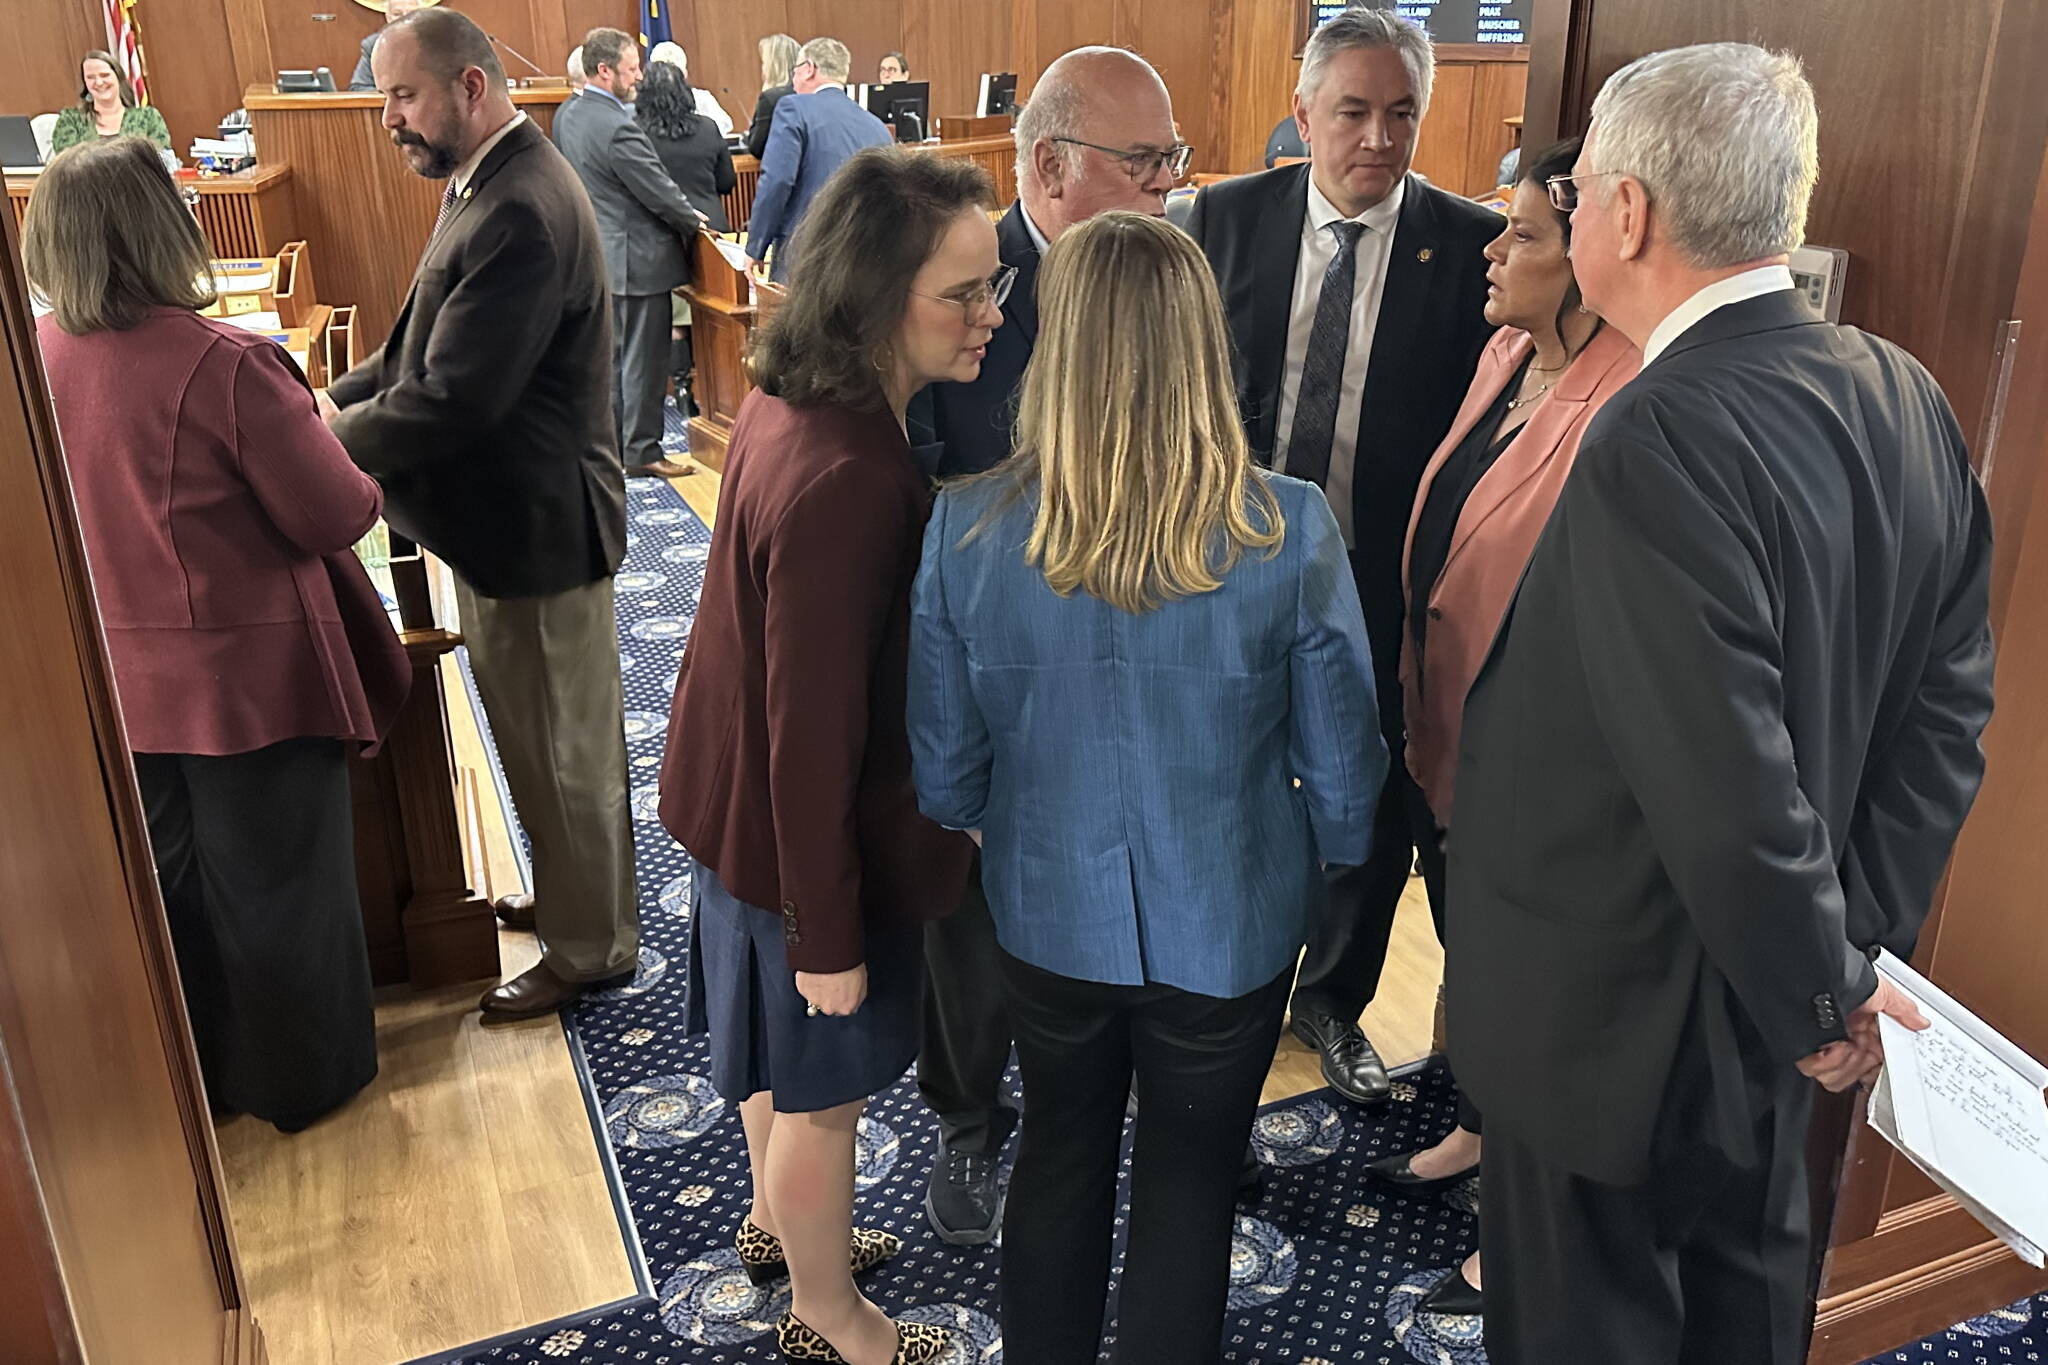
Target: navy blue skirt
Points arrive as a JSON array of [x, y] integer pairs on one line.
[[763, 1037]]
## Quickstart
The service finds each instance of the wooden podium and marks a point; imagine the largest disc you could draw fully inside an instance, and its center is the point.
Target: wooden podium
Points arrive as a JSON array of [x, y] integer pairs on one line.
[[725, 306]]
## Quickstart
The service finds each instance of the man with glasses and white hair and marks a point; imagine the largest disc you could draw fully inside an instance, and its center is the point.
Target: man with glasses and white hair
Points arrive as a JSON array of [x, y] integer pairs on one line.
[[1720, 752], [1097, 134], [1356, 294]]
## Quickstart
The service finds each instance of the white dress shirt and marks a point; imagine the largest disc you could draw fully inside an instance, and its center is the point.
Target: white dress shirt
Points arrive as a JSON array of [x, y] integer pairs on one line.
[[1318, 249], [467, 169], [1750, 284], [709, 107]]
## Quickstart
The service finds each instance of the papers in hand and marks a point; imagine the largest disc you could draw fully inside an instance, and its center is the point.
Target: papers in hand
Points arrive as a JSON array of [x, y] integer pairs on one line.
[[1966, 1107]]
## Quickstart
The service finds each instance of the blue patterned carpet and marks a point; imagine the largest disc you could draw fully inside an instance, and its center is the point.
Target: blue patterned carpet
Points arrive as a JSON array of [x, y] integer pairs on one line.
[[1326, 1269]]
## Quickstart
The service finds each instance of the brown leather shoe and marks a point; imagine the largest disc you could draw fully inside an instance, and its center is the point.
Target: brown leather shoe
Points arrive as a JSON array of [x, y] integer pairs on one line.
[[538, 991], [663, 468], [514, 912]]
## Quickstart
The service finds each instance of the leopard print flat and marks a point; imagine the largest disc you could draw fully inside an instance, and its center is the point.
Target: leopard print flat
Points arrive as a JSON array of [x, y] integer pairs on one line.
[[917, 1343], [761, 1252]]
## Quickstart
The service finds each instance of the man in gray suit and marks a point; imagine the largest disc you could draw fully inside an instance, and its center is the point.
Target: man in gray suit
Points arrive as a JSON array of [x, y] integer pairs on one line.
[[645, 224], [394, 10]]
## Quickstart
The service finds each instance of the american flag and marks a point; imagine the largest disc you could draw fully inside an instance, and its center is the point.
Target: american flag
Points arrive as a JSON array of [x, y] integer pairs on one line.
[[124, 40]]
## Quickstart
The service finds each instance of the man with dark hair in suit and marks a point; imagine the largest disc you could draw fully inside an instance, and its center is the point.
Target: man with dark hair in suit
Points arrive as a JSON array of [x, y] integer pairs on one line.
[[394, 10], [817, 129], [1722, 747], [484, 417], [1356, 293], [646, 225], [1097, 135]]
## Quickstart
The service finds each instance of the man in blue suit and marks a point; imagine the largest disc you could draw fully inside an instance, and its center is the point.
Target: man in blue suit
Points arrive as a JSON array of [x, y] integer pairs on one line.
[[1097, 135], [816, 130]]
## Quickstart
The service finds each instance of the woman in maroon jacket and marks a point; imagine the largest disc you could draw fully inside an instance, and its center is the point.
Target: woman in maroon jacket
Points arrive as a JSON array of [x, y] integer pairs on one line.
[[787, 775], [248, 646]]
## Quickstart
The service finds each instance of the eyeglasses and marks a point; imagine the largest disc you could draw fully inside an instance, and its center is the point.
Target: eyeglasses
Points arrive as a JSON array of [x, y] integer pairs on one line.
[[1143, 164], [976, 297], [1564, 189]]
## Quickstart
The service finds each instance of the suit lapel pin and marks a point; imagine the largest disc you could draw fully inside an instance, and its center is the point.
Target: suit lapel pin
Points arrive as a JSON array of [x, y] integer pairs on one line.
[[468, 190], [1424, 254]]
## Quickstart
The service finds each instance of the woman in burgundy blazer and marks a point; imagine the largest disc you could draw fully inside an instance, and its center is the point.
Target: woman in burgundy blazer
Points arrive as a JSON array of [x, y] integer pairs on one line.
[[1485, 498], [787, 774], [248, 646]]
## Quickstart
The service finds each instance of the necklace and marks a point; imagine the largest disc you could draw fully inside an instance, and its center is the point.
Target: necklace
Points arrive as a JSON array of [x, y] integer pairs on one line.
[[1517, 403]]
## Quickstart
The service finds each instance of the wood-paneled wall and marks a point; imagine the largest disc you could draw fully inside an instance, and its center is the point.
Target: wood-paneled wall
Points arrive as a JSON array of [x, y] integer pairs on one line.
[[1229, 63]]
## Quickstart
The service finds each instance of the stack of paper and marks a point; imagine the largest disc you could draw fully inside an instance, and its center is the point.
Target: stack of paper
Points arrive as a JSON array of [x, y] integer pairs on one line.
[[1965, 1106]]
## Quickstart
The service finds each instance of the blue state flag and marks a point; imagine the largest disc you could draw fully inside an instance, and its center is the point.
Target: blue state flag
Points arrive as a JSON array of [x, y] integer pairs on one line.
[[654, 23]]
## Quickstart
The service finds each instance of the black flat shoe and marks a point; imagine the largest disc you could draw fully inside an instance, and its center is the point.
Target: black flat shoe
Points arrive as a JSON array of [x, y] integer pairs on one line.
[[1396, 1171], [1453, 1297]]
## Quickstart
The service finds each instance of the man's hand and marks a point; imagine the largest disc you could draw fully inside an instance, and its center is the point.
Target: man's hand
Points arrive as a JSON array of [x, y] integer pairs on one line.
[[328, 410], [834, 992], [1858, 1058]]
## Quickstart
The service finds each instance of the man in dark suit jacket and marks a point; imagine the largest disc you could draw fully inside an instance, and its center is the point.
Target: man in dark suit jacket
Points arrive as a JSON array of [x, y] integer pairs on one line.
[[646, 225], [1356, 294], [1097, 135], [814, 133], [484, 417], [1722, 747], [363, 77]]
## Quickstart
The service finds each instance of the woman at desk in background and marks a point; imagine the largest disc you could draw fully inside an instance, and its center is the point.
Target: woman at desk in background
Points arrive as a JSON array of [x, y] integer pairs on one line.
[[778, 56], [895, 67], [693, 152], [250, 652], [106, 108]]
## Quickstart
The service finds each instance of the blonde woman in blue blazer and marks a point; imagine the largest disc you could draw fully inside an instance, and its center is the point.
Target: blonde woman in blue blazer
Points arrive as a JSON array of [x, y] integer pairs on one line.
[[1139, 668]]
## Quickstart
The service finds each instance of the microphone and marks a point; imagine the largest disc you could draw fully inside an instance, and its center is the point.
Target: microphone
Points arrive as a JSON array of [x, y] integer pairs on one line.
[[517, 53]]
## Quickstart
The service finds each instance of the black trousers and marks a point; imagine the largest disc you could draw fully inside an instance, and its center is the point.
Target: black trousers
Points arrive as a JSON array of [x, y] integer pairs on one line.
[[1198, 1063], [966, 1045], [256, 856], [1340, 972], [640, 356], [1704, 1263]]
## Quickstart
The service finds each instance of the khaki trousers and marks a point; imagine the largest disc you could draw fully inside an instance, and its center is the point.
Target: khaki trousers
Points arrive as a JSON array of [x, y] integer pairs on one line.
[[548, 671]]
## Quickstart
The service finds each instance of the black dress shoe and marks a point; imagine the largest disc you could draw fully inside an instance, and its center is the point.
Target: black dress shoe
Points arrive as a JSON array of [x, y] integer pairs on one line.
[[964, 1201], [514, 912], [1350, 1065], [538, 991], [1398, 1172], [1453, 1297]]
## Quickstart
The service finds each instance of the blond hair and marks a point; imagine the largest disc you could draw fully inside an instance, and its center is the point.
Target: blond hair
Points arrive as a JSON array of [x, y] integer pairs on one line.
[[1128, 432], [107, 237]]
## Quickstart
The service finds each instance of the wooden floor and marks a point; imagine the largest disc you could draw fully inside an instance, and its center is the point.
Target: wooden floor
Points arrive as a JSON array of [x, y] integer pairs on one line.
[[462, 1194]]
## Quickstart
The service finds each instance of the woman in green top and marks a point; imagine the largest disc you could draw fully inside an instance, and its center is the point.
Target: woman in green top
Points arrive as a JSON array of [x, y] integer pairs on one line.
[[106, 108]]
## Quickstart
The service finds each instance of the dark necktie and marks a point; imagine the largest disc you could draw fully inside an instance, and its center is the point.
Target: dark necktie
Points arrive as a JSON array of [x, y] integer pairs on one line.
[[448, 197], [1322, 369]]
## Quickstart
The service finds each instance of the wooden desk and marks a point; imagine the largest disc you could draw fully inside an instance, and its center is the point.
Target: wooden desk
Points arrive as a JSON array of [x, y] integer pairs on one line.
[[364, 212], [249, 213]]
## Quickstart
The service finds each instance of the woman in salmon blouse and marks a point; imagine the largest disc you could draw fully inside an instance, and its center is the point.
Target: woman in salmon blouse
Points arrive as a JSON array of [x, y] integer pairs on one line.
[[1485, 498]]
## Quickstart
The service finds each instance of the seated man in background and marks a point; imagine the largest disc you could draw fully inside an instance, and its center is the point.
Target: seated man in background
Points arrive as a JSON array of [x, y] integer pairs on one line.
[[646, 225], [1097, 135], [577, 78], [817, 130], [394, 10]]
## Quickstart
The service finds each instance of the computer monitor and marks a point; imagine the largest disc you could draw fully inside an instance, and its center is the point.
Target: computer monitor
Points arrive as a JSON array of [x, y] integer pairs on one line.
[[19, 150], [998, 94], [305, 82], [910, 110]]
